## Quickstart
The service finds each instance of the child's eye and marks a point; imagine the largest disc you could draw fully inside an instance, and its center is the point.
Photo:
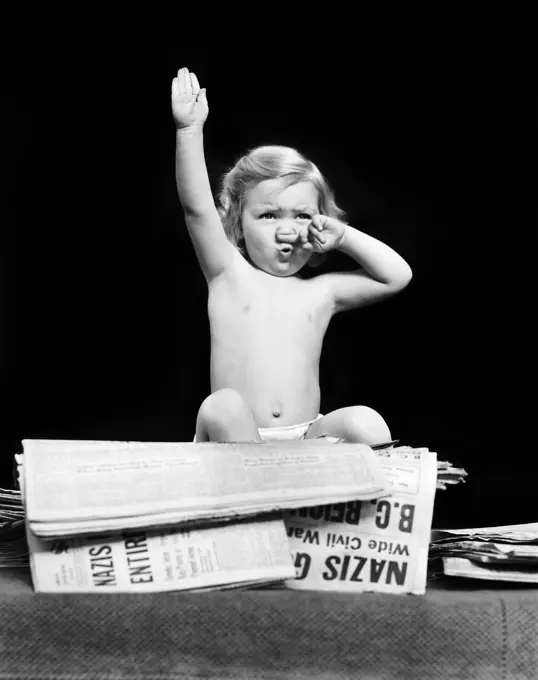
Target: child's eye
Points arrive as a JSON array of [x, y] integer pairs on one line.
[[267, 215]]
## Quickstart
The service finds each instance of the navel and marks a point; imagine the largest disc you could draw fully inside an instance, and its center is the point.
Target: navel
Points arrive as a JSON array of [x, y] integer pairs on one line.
[[277, 410]]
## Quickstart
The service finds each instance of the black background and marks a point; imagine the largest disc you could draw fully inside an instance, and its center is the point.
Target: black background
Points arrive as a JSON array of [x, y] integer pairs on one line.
[[422, 121]]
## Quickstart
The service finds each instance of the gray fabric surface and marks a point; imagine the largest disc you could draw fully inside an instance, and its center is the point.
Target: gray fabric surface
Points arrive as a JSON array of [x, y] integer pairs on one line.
[[455, 631]]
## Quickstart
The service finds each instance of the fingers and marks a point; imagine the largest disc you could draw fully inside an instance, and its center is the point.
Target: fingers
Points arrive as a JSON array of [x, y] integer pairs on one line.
[[313, 243], [316, 231], [195, 85], [185, 86], [311, 237], [187, 82], [318, 222], [181, 80]]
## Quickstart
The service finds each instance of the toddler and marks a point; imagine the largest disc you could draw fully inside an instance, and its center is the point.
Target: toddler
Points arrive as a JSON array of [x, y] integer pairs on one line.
[[276, 216]]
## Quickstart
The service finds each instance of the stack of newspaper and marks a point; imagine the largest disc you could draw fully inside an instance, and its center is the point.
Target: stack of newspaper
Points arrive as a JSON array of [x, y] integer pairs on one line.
[[139, 517], [502, 553], [447, 474], [11, 508], [131, 516], [13, 544]]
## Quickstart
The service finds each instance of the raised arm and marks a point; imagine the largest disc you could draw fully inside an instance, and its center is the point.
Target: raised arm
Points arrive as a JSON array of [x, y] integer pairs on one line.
[[190, 109]]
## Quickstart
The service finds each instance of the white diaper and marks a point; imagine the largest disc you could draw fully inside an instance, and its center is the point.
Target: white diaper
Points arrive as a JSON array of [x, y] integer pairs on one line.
[[290, 432], [287, 433]]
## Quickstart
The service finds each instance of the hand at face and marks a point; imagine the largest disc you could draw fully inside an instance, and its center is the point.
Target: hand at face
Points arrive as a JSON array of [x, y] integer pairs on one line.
[[322, 234]]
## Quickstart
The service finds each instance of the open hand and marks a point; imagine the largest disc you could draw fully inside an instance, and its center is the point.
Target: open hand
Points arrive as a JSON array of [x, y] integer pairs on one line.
[[323, 234], [189, 102]]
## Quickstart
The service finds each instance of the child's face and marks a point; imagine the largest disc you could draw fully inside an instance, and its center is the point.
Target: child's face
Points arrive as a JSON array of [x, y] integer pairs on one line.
[[272, 220]]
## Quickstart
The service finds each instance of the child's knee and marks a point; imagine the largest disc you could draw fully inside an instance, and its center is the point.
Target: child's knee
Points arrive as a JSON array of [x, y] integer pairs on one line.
[[225, 405], [366, 425]]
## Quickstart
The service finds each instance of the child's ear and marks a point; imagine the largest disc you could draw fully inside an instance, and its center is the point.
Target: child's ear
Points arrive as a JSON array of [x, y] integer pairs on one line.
[[317, 259]]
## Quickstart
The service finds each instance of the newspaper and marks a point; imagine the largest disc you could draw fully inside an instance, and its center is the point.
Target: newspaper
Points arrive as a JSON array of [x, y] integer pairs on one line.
[[11, 509], [508, 533], [373, 546], [77, 487], [242, 554], [448, 475], [13, 545], [488, 552], [499, 553], [459, 566]]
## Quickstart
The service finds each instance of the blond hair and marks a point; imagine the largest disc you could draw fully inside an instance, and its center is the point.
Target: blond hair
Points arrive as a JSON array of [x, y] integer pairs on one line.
[[263, 163]]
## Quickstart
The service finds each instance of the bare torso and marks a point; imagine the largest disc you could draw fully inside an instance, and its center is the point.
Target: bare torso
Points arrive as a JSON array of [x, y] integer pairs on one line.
[[266, 338]]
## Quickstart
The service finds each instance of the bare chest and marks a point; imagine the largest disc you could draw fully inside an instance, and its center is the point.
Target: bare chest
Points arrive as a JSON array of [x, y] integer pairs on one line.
[[264, 307]]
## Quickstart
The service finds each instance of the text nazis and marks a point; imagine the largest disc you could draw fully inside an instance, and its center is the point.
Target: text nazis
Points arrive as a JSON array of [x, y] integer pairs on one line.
[[354, 568], [137, 557]]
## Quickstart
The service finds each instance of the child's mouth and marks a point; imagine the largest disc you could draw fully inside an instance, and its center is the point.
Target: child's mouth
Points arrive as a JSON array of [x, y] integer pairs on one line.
[[286, 250]]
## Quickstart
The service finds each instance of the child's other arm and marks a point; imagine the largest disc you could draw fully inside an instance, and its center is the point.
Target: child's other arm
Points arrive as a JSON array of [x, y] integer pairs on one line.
[[189, 106], [383, 272]]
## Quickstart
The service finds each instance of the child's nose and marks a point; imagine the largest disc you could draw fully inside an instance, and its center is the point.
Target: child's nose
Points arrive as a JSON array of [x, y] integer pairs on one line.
[[286, 234]]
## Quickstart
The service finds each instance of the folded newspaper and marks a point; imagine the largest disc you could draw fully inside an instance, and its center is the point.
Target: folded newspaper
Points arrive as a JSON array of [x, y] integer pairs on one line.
[[370, 546], [11, 507], [501, 553], [242, 554], [82, 488]]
